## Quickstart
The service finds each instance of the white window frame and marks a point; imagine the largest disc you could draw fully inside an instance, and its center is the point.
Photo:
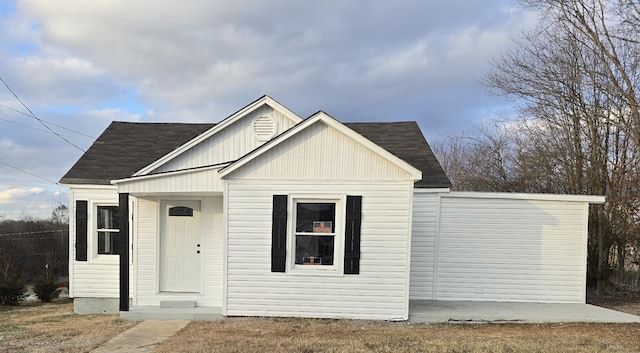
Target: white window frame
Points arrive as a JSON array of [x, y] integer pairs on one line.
[[93, 234], [338, 244], [110, 231]]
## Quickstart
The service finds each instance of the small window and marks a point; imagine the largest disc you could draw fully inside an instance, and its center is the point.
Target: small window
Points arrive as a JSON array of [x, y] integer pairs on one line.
[[108, 228], [181, 211], [315, 233]]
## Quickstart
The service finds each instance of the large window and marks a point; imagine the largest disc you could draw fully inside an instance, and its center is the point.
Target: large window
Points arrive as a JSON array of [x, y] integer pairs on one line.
[[108, 228], [315, 233]]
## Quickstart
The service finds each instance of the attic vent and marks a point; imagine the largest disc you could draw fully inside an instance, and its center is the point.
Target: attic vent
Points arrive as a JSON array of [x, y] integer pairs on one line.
[[264, 128]]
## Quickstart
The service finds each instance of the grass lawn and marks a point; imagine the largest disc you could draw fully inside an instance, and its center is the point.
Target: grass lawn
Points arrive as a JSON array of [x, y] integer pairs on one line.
[[54, 328], [305, 335]]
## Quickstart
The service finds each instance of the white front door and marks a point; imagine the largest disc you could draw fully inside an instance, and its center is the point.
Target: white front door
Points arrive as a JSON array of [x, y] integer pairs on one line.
[[180, 247]]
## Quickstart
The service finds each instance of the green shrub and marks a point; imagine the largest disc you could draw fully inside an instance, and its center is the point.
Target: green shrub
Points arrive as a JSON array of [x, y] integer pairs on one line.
[[45, 286], [11, 290]]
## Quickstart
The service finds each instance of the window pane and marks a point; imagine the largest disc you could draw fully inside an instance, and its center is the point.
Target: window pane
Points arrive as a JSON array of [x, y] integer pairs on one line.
[[181, 211], [108, 217], [314, 249], [108, 243], [307, 213]]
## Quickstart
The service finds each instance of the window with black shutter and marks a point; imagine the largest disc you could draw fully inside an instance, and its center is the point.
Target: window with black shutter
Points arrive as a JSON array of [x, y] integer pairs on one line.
[[320, 227]]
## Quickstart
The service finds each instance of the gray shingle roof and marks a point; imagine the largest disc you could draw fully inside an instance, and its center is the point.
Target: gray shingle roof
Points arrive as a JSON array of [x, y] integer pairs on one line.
[[124, 148]]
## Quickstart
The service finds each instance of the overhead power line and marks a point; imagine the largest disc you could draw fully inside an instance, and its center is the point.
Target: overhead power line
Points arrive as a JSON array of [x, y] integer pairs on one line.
[[35, 128], [35, 117], [48, 122], [24, 171]]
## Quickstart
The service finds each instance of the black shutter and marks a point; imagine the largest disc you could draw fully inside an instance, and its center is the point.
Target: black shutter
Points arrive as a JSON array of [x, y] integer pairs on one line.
[[123, 239], [81, 230], [279, 234], [352, 235]]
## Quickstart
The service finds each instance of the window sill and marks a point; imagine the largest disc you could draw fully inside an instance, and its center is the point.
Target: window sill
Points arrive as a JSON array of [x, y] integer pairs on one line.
[[315, 270], [106, 259]]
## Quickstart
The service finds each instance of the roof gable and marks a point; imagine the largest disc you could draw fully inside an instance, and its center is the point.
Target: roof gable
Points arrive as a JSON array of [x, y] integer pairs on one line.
[[322, 118], [224, 124]]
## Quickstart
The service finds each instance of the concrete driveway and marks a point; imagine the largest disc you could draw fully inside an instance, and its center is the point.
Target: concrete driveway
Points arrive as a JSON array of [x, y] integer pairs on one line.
[[431, 311]]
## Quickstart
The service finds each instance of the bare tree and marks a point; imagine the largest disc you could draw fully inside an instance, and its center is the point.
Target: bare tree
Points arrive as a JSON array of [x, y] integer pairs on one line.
[[575, 80]]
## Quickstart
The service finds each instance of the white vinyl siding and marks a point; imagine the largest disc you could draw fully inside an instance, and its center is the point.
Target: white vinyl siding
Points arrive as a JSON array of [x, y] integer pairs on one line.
[[147, 262], [98, 277], [379, 291], [229, 144], [202, 181], [320, 152], [423, 242], [506, 249]]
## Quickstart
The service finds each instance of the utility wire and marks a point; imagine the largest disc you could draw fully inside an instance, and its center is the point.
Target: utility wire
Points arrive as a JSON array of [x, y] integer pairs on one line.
[[34, 116], [35, 128], [48, 122], [24, 171]]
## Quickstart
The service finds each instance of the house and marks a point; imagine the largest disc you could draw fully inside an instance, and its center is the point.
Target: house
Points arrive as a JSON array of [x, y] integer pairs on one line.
[[269, 214]]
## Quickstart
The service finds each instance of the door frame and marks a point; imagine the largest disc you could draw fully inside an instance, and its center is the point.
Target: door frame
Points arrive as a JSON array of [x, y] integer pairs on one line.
[[161, 222]]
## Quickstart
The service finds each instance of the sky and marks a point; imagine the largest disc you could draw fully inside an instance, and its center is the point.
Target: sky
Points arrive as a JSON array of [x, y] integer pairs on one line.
[[78, 65]]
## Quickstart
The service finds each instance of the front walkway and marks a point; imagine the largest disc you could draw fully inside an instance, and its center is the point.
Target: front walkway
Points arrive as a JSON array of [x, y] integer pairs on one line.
[[430, 311], [143, 337]]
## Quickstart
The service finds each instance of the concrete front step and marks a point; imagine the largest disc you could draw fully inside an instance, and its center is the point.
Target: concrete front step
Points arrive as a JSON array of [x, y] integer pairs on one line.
[[177, 303], [200, 313]]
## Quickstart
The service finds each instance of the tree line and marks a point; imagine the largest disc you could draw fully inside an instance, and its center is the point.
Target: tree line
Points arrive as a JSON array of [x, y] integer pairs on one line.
[[31, 247], [574, 80]]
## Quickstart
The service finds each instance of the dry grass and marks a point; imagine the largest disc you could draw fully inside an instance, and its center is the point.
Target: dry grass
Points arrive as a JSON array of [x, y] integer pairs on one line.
[[306, 335], [54, 328]]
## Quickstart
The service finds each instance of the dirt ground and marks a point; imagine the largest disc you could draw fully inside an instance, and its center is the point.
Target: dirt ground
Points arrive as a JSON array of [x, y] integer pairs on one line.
[[53, 327], [625, 302]]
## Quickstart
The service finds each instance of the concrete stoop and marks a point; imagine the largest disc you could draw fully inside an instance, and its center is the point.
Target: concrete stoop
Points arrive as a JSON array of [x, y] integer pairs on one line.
[[178, 304], [177, 312]]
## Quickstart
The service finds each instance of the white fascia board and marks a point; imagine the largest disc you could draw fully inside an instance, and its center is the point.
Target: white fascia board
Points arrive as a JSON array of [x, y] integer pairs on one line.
[[89, 186], [218, 127], [171, 173], [431, 190], [526, 196], [328, 120]]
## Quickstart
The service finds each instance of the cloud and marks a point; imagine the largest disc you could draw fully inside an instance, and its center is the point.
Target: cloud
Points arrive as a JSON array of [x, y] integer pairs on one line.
[[37, 202], [214, 57], [82, 64]]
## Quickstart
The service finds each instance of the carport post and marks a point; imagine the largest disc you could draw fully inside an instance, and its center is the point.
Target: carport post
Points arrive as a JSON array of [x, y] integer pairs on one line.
[[123, 208]]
